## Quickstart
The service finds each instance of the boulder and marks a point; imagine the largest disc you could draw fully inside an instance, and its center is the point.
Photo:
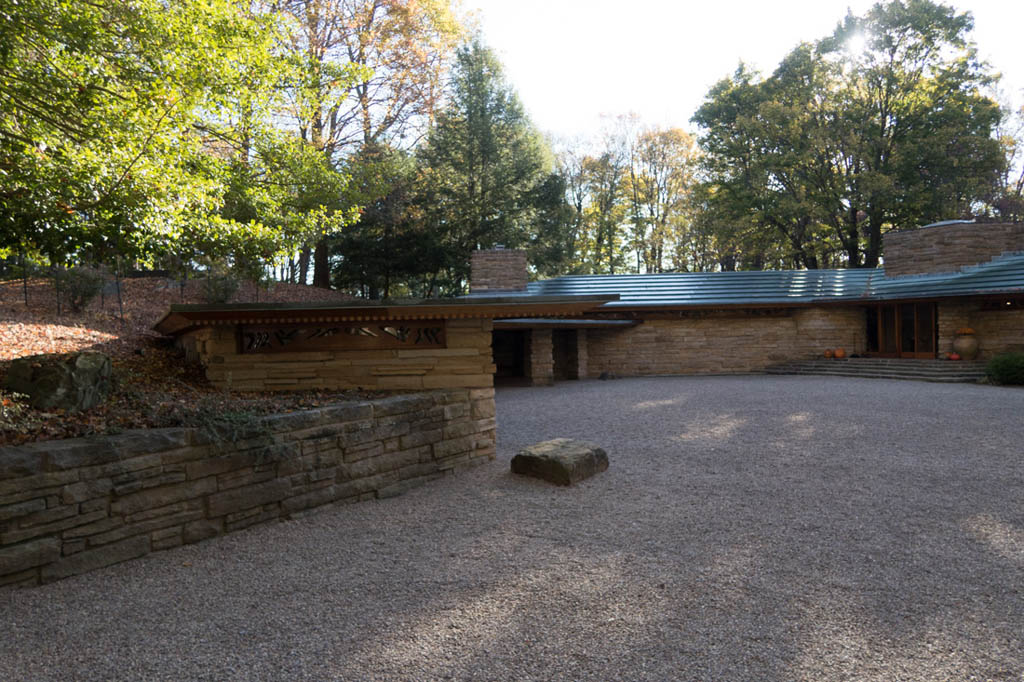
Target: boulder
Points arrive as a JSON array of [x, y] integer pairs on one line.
[[561, 461], [69, 381]]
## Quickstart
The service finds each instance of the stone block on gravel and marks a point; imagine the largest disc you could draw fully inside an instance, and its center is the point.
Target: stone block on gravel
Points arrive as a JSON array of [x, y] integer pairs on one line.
[[561, 461]]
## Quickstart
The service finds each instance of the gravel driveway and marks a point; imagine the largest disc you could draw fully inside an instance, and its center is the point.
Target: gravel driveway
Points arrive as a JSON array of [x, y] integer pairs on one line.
[[749, 528]]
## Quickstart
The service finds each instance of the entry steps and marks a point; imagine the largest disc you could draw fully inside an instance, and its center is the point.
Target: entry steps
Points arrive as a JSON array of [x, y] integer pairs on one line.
[[947, 371]]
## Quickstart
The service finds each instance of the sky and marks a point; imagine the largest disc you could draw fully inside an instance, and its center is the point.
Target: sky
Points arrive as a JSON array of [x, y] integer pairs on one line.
[[573, 60]]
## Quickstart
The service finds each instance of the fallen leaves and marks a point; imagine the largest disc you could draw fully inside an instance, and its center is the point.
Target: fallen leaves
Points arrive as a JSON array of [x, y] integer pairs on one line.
[[153, 387]]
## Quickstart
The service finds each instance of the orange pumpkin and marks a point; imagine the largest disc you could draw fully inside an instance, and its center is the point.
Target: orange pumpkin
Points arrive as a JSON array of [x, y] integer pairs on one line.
[[828, 352], [840, 353]]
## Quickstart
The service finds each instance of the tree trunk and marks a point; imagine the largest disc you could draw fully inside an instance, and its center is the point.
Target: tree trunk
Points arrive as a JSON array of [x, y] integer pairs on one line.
[[24, 274], [874, 249], [321, 265], [304, 265]]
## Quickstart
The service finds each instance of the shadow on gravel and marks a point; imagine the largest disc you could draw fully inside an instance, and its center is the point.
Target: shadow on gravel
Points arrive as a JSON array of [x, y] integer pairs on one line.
[[748, 528]]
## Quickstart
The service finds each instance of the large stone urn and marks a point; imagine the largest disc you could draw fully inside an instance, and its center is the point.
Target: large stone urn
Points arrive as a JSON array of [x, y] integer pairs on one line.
[[966, 343]]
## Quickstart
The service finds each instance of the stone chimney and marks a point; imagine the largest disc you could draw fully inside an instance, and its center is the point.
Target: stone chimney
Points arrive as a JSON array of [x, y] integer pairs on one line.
[[948, 247], [496, 271]]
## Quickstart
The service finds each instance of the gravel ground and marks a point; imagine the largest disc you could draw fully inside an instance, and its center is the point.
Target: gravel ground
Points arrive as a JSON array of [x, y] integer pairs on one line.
[[749, 528]]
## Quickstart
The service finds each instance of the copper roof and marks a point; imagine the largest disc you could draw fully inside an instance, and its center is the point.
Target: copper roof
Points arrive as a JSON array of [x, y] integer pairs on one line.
[[184, 317]]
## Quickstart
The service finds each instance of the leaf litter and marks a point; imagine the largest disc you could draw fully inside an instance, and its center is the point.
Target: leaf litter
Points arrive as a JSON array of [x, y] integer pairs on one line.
[[153, 385]]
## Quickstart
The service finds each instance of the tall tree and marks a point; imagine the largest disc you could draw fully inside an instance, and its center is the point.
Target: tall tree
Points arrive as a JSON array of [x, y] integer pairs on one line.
[[661, 176], [97, 118], [482, 164], [389, 249], [922, 146], [373, 71], [842, 143], [1007, 200]]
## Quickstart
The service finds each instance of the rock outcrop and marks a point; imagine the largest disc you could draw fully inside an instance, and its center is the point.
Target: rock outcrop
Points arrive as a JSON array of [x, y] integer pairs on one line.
[[69, 381]]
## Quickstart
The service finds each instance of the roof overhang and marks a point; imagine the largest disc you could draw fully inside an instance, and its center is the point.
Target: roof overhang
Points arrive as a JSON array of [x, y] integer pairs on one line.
[[182, 318], [562, 323]]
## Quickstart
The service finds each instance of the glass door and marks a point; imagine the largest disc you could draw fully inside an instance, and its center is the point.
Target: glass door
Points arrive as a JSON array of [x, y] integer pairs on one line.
[[904, 330]]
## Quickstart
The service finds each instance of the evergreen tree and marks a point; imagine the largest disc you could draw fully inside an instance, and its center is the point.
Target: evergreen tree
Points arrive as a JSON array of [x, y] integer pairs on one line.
[[482, 166]]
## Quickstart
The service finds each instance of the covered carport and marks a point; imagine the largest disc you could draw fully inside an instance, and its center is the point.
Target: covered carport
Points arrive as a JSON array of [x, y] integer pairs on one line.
[[540, 351]]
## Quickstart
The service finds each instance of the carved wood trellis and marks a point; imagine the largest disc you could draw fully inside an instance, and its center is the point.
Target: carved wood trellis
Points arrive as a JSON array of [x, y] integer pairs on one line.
[[342, 336]]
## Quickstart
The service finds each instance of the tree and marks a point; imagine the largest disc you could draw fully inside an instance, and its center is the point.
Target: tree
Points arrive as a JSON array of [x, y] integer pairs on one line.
[[383, 254], [758, 166], [1007, 202], [97, 119], [482, 164], [605, 213], [372, 71], [924, 148], [571, 160], [839, 145], [660, 178], [552, 245]]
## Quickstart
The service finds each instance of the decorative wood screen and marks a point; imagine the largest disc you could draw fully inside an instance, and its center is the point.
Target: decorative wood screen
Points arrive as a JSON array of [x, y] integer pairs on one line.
[[344, 336]]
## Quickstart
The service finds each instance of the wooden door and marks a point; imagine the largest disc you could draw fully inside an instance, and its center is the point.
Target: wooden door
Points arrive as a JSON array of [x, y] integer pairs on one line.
[[902, 330]]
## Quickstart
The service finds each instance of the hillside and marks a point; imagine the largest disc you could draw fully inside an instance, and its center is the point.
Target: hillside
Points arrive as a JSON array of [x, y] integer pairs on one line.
[[153, 385]]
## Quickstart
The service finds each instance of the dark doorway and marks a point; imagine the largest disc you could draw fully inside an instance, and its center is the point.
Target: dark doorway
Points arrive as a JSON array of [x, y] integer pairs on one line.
[[902, 330], [509, 349], [563, 342]]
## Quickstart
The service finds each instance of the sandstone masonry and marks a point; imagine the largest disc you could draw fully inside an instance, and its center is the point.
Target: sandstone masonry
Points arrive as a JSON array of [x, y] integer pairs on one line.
[[71, 506], [465, 362], [947, 248], [498, 270], [723, 342]]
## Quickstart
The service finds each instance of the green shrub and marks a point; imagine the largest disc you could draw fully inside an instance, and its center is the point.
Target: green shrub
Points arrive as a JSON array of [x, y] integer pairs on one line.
[[78, 286], [1006, 369], [219, 286]]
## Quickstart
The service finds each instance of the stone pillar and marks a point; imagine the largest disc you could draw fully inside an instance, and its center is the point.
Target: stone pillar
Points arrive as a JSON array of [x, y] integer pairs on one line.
[[578, 356], [540, 359]]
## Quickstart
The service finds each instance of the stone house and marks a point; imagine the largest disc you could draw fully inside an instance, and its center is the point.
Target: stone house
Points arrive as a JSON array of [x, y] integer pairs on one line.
[[936, 280]]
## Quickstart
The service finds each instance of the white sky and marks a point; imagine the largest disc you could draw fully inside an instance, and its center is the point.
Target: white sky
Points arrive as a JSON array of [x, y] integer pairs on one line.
[[573, 60]]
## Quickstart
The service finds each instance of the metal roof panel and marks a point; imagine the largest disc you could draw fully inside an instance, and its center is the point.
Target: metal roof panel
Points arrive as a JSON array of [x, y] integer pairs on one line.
[[1004, 274]]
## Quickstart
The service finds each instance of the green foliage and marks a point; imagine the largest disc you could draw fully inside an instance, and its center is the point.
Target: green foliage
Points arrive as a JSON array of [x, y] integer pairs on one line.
[[838, 146], [388, 250], [147, 129], [97, 114], [219, 286], [1006, 369], [78, 286], [481, 166]]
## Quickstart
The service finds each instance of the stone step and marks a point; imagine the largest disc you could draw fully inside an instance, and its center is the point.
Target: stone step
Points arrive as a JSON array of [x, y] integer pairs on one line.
[[953, 378], [887, 368], [966, 378], [897, 370]]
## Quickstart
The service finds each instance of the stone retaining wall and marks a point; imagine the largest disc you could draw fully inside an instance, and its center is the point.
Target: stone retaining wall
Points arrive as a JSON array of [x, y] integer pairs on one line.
[[71, 506]]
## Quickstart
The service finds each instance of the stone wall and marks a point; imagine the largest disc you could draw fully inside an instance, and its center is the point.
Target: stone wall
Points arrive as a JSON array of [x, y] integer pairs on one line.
[[998, 331], [947, 248], [465, 362], [71, 506], [724, 341], [540, 362], [497, 270]]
